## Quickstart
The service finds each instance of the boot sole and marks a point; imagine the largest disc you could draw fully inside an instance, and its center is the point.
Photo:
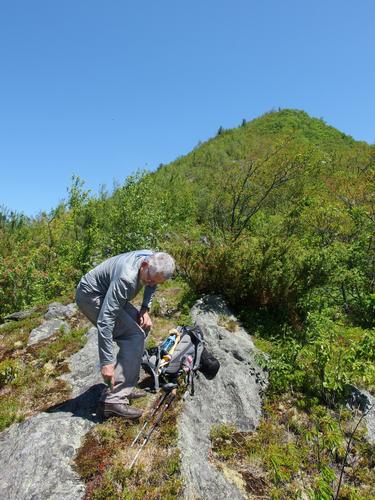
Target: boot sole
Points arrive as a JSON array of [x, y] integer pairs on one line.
[[108, 414]]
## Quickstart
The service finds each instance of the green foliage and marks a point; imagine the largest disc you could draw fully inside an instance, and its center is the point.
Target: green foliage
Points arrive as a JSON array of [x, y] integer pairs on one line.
[[277, 216], [8, 371], [297, 453], [10, 412], [277, 213], [320, 360]]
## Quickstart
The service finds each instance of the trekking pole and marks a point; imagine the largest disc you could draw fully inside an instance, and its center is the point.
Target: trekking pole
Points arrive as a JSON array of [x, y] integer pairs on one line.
[[170, 397], [158, 404], [167, 388]]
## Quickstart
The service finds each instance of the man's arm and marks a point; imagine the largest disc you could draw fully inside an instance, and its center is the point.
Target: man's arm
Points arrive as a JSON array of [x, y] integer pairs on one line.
[[144, 316]]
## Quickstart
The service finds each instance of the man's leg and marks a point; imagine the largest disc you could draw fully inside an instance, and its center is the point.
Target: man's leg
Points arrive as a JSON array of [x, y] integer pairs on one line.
[[88, 304], [130, 338]]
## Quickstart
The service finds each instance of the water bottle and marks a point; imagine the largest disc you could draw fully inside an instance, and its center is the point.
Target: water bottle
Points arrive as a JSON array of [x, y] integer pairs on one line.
[[167, 344]]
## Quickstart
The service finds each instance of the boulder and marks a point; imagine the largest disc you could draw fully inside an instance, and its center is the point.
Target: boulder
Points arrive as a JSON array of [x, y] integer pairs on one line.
[[37, 455], [233, 397], [47, 329], [36, 458], [365, 402], [84, 366], [56, 310], [19, 315]]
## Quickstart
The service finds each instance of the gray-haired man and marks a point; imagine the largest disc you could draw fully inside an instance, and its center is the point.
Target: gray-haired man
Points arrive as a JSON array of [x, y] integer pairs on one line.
[[104, 296]]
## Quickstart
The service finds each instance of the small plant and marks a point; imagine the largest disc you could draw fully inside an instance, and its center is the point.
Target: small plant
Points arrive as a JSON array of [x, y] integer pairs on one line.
[[9, 370], [228, 323], [299, 452]]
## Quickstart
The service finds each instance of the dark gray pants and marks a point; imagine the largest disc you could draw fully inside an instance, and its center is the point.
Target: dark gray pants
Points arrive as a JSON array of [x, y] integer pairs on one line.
[[129, 337]]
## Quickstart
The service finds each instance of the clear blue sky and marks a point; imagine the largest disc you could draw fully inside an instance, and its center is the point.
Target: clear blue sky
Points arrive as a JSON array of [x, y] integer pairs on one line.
[[102, 88]]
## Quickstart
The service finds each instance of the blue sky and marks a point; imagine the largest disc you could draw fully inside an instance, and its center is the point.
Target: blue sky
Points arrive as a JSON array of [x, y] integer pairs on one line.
[[102, 88]]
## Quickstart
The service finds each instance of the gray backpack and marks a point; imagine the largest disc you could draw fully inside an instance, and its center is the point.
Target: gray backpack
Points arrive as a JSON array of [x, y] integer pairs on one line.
[[186, 358]]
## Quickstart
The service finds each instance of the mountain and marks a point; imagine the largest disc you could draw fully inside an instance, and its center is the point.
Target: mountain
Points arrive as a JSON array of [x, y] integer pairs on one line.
[[278, 217]]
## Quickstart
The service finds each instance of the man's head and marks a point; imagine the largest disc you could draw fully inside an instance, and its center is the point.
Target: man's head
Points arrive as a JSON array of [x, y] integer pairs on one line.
[[157, 269]]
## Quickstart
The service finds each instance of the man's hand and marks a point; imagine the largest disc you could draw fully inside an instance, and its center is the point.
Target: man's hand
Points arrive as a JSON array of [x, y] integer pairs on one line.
[[144, 319], [108, 374]]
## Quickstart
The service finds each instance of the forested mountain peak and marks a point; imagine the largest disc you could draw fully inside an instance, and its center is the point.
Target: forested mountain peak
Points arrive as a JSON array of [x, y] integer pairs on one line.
[[287, 129]]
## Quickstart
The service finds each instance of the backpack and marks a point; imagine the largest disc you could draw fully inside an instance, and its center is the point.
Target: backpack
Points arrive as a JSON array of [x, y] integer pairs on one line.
[[187, 355]]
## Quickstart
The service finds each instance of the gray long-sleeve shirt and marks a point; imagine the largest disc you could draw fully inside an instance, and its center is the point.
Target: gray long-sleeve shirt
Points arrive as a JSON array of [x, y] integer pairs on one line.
[[117, 281]]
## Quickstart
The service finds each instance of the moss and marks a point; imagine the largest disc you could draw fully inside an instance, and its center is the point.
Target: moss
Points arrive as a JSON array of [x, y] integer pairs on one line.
[[224, 443], [14, 336], [167, 432], [63, 345], [30, 380], [229, 323], [92, 457], [104, 459]]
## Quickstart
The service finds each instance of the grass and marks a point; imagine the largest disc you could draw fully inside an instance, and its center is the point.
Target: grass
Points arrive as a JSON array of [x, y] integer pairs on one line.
[[297, 453], [29, 375], [103, 460], [14, 336]]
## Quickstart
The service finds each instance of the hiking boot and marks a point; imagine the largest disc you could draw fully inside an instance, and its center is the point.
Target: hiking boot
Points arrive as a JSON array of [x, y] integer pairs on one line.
[[106, 410], [139, 393]]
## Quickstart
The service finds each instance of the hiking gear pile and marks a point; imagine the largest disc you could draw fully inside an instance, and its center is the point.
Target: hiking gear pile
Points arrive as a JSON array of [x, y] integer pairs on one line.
[[182, 353]]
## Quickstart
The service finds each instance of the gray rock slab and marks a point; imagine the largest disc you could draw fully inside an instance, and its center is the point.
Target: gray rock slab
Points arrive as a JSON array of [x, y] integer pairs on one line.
[[56, 310], [19, 315], [37, 455], [365, 402], [370, 420], [47, 329], [84, 366], [233, 397], [36, 458]]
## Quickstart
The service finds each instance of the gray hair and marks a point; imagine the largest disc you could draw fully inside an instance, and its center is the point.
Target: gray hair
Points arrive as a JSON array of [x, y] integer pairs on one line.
[[161, 263]]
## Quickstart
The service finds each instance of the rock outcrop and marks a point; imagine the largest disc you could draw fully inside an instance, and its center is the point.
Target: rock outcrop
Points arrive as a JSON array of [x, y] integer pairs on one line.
[[233, 397], [56, 310], [19, 315], [36, 456], [55, 317], [365, 402], [47, 329]]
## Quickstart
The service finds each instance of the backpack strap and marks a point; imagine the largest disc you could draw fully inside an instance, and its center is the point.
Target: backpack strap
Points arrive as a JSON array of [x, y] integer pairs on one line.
[[197, 338], [153, 366], [198, 354]]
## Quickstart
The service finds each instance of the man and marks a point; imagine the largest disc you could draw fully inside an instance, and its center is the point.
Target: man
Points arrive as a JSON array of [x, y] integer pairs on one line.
[[104, 296]]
